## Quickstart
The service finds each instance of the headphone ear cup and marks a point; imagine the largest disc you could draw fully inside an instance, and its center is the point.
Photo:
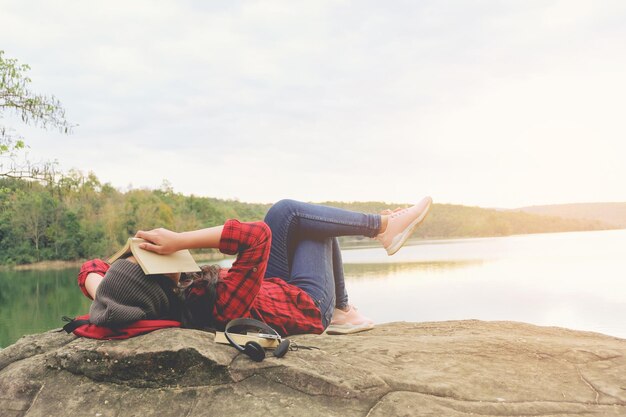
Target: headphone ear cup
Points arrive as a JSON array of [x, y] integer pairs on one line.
[[282, 349], [254, 351]]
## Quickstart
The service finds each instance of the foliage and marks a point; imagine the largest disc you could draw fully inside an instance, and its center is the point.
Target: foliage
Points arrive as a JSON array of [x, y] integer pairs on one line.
[[77, 217], [35, 109]]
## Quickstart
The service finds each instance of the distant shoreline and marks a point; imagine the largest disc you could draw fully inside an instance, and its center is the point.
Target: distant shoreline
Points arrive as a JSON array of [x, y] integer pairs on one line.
[[208, 257], [57, 265], [90, 218]]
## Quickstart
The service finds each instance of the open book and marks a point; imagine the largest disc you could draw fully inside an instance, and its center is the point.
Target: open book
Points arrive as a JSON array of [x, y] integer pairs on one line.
[[153, 263]]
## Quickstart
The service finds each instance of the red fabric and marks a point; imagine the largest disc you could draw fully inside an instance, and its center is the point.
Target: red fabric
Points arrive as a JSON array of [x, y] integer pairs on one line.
[[243, 292], [130, 330], [97, 266]]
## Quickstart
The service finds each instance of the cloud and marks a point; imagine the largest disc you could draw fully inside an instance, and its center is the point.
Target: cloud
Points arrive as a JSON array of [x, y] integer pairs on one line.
[[491, 103]]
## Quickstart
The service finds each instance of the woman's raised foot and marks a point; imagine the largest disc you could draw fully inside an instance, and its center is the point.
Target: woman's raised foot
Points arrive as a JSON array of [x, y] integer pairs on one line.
[[402, 223]]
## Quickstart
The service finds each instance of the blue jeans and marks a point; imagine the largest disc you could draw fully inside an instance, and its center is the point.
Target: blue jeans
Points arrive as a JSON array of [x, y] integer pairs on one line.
[[305, 251]]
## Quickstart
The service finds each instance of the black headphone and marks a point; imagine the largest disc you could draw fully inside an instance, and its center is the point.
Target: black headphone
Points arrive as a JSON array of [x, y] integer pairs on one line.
[[254, 350]]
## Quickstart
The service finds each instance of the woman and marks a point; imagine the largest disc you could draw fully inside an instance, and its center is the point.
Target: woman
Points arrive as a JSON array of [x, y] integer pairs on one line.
[[288, 271]]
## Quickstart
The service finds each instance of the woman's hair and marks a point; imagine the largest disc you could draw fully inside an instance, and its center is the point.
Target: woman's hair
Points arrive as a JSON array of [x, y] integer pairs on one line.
[[198, 293]]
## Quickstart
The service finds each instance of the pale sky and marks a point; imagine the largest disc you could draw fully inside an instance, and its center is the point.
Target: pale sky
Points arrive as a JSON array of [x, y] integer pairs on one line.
[[491, 103]]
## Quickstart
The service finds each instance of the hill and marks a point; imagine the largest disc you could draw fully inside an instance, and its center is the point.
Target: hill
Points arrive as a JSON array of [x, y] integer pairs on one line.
[[453, 221], [613, 214]]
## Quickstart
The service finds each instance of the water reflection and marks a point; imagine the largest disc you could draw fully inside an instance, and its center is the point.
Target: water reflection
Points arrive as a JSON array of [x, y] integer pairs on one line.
[[571, 280], [378, 270], [35, 301]]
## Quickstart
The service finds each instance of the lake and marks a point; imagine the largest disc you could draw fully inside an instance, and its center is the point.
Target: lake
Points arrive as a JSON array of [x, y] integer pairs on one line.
[[575, 280]]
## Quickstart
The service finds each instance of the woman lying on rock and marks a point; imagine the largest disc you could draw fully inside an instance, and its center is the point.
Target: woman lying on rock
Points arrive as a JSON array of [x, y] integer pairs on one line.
[[288, 272]]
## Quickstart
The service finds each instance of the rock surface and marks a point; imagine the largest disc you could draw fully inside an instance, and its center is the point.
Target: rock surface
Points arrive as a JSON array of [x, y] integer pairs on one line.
[[458, 368]]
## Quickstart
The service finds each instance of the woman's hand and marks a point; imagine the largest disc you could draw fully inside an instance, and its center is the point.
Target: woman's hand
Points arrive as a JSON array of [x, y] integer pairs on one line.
[[161, 241]]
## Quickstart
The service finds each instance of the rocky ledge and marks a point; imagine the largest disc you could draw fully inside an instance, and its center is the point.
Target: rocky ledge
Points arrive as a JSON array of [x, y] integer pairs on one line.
[[457, 368]]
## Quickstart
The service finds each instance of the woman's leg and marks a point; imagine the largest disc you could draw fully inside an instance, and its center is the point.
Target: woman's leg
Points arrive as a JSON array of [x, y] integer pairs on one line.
[[305, 251], [303, 234], [341, 295], [312, 270], [317, 269], [292, 221]]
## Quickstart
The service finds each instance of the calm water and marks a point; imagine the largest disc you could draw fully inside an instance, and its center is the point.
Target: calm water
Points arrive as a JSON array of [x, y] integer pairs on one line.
[[575, 280]]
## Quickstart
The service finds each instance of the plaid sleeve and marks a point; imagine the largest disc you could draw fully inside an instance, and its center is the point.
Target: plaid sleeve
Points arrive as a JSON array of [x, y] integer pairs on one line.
[[97, 266], [239, 288]]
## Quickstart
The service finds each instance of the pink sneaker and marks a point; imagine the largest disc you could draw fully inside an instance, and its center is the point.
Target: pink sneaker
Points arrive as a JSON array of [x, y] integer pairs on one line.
[[351, 321], [402, 223]]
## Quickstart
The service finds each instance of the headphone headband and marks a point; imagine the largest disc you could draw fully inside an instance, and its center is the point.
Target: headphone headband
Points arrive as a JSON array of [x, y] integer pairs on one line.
[[246, 322], [254, 350]]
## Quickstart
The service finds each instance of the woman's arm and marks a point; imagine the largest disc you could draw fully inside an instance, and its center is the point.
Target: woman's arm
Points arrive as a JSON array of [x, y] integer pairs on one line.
[[251, 241], [165, 241], [90, 276], [92, 282]]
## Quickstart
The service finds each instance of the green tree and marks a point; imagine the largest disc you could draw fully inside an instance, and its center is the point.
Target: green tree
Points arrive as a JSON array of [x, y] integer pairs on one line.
[[35, 109], [31, 216]]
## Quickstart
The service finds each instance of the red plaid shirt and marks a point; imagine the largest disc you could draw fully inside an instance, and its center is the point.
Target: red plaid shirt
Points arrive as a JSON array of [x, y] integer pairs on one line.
[[242, 291]]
